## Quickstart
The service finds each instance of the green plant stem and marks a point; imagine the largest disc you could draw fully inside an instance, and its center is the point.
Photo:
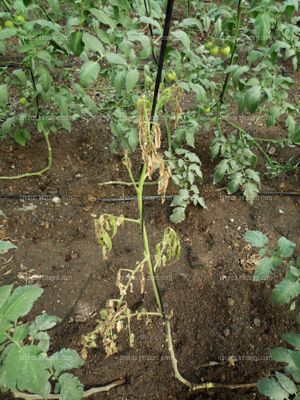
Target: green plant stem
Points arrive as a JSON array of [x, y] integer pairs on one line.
[[12, 340], [152, 273], [167, 125], [142, 314], [38, 173], [271, 140], [139, 191], [268, 158], [128, 166], [187, 8], [134, 221]]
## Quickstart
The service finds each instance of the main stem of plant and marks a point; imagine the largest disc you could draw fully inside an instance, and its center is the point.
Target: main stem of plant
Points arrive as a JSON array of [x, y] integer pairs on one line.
[[161, 313], [236, 36], [139, 191]]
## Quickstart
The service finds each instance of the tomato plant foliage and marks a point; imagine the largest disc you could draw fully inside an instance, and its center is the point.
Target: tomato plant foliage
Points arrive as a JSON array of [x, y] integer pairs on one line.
[[230, 59], [281, 386]]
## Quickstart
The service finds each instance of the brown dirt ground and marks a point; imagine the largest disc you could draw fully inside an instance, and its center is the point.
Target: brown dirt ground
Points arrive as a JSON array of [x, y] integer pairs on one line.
[[58, 243]]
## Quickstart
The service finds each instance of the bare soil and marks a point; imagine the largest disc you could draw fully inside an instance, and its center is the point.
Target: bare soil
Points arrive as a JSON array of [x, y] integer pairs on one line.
[[224, 324]]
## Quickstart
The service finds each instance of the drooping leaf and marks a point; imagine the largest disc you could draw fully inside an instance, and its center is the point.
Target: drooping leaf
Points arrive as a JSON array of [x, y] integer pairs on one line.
[[262, 27], [93, 43], [89, 72], [114, 58], [20, 74], [235, 183], [132, 78], [183, 37], [120, 81], [103, 17], [76, 43], [220, 171], [251, 191], [19, 138], [252, 98], [3, 95], [45, 78]]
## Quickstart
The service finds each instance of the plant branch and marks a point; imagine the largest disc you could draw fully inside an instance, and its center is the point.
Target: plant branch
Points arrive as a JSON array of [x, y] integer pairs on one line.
[[268, 158], [38, 173], [191, 385], [35, 89], [133, 221], [86, 394]]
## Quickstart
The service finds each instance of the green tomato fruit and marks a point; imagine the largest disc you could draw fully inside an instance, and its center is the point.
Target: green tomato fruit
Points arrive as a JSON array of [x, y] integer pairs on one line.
[[208, 45], [20, 19], [225, 51], [171, 76], [214, 51], [206, 110], [9, 24], [23, 101]]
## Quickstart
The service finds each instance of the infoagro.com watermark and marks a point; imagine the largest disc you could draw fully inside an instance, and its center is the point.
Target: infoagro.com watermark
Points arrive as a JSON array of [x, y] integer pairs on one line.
[[145, 357], [245, 357], [244, 277]]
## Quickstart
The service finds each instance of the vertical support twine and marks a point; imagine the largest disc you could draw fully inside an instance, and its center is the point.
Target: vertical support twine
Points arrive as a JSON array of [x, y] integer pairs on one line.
[[161, 60]]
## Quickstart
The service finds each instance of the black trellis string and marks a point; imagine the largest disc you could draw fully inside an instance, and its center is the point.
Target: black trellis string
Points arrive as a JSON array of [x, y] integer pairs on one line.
[[125, 199], [161, 60], [163, 47]]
